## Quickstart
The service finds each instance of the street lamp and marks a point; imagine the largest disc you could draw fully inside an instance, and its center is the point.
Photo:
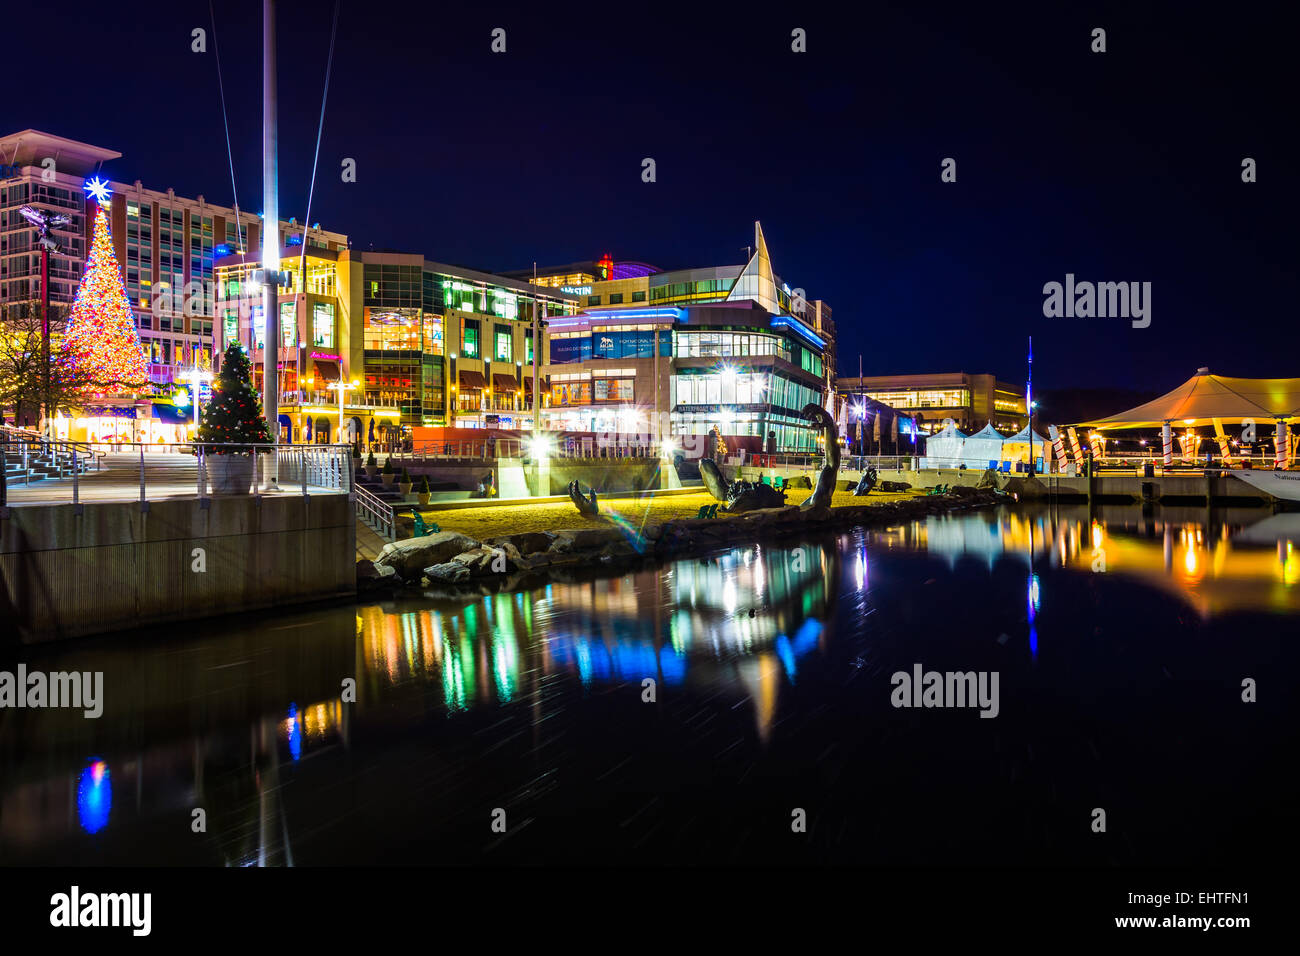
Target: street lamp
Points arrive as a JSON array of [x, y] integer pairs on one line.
[[195, 377], [343, 389]]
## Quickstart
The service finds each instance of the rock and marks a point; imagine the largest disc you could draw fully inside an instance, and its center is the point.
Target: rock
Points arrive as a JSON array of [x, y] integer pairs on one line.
[[410, 556], [371, 576], [799, 481], [526, 542], [584, 539], [449, 572]]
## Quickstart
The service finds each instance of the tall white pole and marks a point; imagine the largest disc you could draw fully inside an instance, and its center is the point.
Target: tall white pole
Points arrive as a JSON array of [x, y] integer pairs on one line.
[[537, 355], [270, 229]]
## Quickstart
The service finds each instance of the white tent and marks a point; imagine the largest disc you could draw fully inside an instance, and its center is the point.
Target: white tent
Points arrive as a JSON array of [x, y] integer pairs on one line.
[[943, 449], [983, 447], [1016, 448]]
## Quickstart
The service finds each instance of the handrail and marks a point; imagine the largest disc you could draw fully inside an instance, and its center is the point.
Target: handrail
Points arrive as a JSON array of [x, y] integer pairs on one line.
[[378, 513], [141, 470]]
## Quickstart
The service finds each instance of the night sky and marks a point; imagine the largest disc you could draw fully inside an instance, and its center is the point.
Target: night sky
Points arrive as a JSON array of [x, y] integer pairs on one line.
[[1122, 166]]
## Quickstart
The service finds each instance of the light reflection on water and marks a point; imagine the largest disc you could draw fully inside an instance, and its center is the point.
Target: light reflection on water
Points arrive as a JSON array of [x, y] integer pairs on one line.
[[217, 719]]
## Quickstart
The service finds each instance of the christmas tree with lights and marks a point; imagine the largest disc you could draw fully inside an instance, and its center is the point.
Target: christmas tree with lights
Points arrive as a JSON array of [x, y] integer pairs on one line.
[[234, 415], [101, 336]]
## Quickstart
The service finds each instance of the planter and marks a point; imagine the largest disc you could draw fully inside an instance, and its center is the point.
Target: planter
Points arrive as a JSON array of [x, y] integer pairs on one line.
[[422, 498], [405, 488], [388, 480], [372, 470], [230, 474]]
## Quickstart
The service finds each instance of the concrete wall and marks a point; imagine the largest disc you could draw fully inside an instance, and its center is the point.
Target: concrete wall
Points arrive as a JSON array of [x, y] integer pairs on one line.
[[604, 474], [113, 567]]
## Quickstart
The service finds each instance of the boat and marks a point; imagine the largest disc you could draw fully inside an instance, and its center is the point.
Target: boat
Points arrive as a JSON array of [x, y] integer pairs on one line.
[[1280, 484]]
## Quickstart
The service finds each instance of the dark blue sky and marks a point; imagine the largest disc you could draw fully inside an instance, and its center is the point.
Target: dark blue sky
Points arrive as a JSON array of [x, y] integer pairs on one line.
[[1115, 166]]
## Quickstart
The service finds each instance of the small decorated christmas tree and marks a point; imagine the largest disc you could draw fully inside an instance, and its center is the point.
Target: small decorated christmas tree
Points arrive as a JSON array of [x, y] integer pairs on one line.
[[101, 335], [234, 415]]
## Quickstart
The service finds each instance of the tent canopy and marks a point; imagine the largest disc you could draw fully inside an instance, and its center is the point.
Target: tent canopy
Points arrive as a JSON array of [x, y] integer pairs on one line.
[[984, 446], [1022, 437], [1205, 397]]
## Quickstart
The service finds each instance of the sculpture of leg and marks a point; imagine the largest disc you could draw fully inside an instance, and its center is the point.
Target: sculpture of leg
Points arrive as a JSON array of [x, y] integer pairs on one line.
[[820, 499], [713, 480]]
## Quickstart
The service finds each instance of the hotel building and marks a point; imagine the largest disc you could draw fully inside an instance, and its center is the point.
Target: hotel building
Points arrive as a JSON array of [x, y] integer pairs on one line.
[[165, 244], [970, 400], [731, 347]]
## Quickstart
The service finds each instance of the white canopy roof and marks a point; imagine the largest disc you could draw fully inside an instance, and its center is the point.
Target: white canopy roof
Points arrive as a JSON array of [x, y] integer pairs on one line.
[[1022, 438], [984, 446], [1205, 397]]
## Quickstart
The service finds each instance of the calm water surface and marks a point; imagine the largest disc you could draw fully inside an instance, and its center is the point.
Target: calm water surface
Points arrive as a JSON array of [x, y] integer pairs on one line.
[[1120, 638]]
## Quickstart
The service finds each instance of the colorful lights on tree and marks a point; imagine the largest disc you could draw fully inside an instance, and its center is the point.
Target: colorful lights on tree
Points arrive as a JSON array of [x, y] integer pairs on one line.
[[101, 335]]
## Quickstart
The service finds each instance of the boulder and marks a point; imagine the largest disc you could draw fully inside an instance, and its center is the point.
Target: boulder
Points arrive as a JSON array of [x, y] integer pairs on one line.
[[371, 576], [584, 539], [449, 572], [412, 555], [526, 542]]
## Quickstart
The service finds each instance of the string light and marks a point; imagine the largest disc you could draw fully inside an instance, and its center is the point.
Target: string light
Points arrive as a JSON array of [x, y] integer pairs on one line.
[[102, 337]]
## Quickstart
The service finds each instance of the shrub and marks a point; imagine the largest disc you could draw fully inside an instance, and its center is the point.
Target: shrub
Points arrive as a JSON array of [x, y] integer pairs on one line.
[[424, 485], [405, 478]]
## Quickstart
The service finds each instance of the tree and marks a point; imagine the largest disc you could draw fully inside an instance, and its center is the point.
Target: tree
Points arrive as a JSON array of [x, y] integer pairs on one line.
[[22, 358], [234, 415], [101, 334]]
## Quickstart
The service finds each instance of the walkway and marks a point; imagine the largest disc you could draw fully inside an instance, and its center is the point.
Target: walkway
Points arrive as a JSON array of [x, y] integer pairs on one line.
[[166, 475]]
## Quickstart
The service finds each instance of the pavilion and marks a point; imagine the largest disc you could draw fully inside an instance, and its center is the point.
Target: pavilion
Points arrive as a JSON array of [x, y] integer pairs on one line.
[[1216, 400]]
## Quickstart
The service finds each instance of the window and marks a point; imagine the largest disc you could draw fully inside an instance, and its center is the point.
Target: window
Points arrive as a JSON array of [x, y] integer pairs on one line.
[[504, 345], [469, 339], [615, 298], [638, 296], [288, 324], [322, 325], [593, 300]]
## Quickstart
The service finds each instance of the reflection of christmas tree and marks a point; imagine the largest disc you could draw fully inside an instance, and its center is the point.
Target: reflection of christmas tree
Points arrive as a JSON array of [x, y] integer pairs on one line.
[[234, 415], [101, 335]]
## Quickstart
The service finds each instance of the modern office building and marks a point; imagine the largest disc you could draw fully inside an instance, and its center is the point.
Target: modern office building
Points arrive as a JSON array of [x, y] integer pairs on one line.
[[166, 244], [416, 344], [731, 347], [970, 400]]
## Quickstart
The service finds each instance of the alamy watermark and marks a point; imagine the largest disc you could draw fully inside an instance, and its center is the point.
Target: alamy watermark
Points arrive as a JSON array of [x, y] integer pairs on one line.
[[36, 689], [946, 689], [1101, 300]]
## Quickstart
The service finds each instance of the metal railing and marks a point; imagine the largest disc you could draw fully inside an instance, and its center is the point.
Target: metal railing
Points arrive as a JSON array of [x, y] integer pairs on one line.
[[376, 512], [143, 471]]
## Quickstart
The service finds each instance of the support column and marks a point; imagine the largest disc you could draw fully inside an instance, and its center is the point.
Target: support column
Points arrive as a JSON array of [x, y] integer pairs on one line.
[[1281, 443], [1167, 440]]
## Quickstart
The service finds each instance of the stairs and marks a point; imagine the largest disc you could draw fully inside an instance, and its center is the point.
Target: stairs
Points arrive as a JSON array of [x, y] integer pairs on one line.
[[42, 464]]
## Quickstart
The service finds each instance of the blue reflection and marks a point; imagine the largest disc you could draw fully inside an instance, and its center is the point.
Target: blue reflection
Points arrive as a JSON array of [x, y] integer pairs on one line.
[[295, 732], [786, 653], [1033, 610], [94, 797]]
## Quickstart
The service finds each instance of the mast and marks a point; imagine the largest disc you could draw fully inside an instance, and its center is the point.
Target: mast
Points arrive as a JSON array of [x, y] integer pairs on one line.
[[271, 231]]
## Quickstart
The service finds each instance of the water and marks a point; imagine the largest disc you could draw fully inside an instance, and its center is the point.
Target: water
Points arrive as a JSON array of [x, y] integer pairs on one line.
[[1121, 640]]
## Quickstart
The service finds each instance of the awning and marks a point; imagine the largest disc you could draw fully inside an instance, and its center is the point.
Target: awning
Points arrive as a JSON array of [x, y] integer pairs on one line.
[[173, 415], [470, 379], [325, 370], [1205, 397], [284, 420], [504, 383]]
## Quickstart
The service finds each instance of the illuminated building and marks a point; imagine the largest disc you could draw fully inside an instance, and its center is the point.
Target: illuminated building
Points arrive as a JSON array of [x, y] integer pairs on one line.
[[427, 344], [971, 401], [731, 347], [166, 245]]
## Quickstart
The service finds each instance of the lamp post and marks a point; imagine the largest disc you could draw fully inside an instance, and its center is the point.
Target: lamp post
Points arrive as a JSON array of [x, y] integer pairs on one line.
[[195, 377], [343, 389]]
